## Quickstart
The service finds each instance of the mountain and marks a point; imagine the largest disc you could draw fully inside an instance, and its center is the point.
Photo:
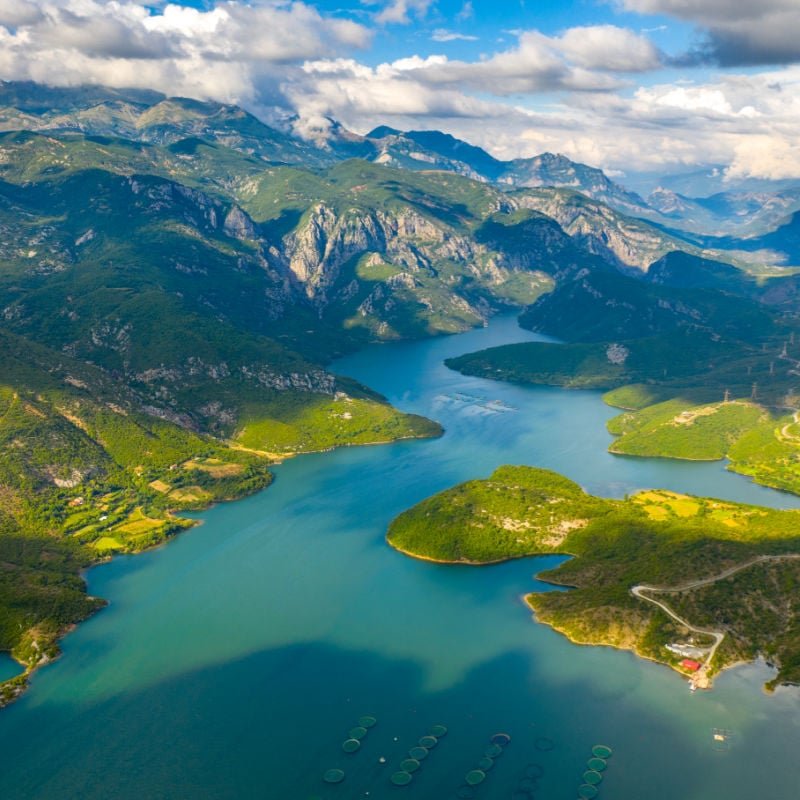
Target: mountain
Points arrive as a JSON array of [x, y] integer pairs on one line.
[[558, 171], [436, 150], [740, 215], [180, 124], [150, 117], [704, 182]]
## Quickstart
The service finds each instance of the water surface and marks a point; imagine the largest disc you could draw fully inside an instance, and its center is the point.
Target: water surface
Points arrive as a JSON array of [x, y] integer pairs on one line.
[[232, 662], [8, 667]]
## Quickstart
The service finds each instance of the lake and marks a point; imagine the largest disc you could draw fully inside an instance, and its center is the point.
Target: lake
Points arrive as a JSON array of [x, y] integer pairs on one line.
[[233, 662]]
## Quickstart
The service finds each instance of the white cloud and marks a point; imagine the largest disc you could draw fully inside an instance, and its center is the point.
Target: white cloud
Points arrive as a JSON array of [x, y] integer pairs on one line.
[[746, 121], [18, 12], [443, 35], [710, 10], [466, 12], [231, 51], [401, 11], [608, 47], [540, 63]]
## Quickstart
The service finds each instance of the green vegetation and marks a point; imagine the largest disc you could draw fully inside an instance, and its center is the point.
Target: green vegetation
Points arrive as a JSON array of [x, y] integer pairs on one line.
[[697, 433], [324, 422], [595, 365], [690, 393], [656, 538]]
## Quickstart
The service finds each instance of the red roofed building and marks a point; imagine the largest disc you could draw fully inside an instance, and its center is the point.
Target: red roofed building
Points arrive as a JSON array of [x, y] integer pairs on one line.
[[688, 663]]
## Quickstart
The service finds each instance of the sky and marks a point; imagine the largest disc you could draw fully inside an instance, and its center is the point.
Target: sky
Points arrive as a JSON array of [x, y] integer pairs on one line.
[[627, 85]]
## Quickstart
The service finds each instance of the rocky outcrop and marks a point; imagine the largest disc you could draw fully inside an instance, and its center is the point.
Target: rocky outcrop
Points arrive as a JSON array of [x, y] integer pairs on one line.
[[238, 225], [624, 242]]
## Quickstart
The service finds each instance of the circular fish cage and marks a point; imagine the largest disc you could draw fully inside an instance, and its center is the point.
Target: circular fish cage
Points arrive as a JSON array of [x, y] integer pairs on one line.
[[333, 776], [474, 777], [401, 778], [602, 751], [593, 777], [350, 745], [428, 742]]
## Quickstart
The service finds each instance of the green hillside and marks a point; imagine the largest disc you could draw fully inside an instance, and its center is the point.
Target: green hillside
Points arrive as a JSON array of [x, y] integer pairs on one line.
[[656, 538]]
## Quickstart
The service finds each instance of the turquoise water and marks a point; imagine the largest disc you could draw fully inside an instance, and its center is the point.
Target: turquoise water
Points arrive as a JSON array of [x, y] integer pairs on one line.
[[232, 662], [8, 667]]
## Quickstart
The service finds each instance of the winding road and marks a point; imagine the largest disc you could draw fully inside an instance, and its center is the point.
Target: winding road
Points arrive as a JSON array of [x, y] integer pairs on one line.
[[639, 591]]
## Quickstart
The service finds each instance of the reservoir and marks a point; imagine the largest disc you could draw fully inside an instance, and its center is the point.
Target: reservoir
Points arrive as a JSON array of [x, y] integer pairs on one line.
[[234, 661]]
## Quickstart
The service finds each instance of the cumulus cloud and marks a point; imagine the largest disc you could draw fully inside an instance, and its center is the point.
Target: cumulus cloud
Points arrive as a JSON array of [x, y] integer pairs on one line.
[[231, 51], [735, 32], [748, 122], [18, 12], [363, 96], [578, 60], [439, 88], [607, 47]]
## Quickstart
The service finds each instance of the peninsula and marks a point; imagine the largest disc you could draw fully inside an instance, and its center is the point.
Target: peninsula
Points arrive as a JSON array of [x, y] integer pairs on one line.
[[695, 583]]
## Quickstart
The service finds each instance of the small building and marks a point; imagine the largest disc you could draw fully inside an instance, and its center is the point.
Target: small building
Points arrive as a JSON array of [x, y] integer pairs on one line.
[[691, 664]]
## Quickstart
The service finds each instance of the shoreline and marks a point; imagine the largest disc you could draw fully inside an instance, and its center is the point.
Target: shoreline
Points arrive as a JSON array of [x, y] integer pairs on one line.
[[13, 688], [526, 597]]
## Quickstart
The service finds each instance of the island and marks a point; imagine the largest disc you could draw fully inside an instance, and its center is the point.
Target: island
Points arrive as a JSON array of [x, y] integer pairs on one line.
[[695, 583]]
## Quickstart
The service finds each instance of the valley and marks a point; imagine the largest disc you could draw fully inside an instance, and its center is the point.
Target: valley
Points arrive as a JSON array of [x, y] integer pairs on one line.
[[177, 279]]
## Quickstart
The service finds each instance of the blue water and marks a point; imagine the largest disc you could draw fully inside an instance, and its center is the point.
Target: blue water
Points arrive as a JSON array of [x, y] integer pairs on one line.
[[232, 662], [8, 667]]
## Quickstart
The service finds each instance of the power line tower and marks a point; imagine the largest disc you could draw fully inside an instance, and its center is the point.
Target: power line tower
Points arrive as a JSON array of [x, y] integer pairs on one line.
[[727, 396], [754, 392]]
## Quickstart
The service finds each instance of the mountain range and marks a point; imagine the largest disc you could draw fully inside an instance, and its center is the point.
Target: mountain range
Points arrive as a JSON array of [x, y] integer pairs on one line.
[[748, 209]]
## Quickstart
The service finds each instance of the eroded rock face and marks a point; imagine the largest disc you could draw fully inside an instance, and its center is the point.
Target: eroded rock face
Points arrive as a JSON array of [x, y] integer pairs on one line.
[[238, 225], [619, 240], [313, 256]]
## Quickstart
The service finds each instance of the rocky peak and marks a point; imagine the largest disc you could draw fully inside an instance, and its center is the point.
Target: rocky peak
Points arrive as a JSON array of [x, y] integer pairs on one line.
[[238, 225]]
